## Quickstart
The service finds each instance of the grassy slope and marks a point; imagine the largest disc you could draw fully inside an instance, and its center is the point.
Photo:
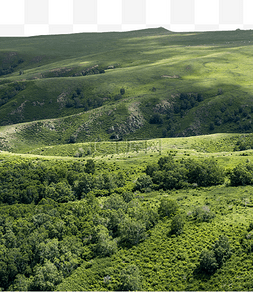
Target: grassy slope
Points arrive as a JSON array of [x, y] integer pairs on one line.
[[204, 63], [201, 62]]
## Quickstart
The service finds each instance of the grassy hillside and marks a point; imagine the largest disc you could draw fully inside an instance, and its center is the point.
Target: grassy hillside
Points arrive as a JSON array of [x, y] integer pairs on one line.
[[126, 161], [175, 84]]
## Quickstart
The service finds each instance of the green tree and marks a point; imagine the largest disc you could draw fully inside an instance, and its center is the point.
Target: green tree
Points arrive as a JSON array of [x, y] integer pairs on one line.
[[90, 166], [132, 231], [106, 246], [122, 91], [46, 277], [222, 250], [115, 202], [207, 261], [167, 208], [177, 224], [143, 183], [130, 279], [242, 174], [21, 283]]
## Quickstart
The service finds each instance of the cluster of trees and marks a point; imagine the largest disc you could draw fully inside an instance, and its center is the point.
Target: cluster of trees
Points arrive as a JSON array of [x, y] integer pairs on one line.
[[12, 91], [187, 101], [42, 244], [245, 144], [78, 101], [8, 69], [242, 174], [171, 174], [92, 71], [29, 181], [241, 117], [211, 260]]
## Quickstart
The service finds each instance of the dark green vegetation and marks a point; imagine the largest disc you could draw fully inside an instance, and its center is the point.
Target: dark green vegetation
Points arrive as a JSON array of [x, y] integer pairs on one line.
[[87, 200]]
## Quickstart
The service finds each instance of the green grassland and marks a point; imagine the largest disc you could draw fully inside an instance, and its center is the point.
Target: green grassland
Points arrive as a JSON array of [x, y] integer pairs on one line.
[[126, 162], [56, 79]]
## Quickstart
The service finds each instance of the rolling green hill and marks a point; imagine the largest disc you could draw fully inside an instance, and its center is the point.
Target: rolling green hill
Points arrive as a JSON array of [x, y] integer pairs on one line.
[[126, 161], [142, 84]]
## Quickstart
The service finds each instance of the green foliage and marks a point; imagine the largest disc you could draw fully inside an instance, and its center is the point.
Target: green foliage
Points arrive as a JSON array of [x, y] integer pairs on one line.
[[177, 224], [222, 250], [211, 260], [242, 174], [167, 208], [130, 279], [156, 119], [106, 246], [205, 173], [143, 183], [131, 231], [122, 91], [46, 277], [202, 214], [90, 166], [207, 261]]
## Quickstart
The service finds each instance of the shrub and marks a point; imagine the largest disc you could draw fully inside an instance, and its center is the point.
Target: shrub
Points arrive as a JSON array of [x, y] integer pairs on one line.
[[143, 183], [156, 119], [202, 214], [130, 279], [177, 224], [204, 173], [208, 263], [132, 231], [211, 260], [222, 250], [167, 208], [90, 166], [127, 196], [122, 91], [242, 174], [106, 246]]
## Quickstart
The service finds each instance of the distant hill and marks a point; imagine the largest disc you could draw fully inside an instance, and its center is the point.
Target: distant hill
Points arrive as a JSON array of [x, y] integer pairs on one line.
[[149, 83]]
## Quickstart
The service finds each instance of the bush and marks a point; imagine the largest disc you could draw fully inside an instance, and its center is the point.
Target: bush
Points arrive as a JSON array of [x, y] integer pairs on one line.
[[204, 173], [222, 250], [130, 279], [122, 91], [202, 214], [156, 119], [90, 166], [143, 183], [167, 208], [106, 246], [177, 224], [211, 260], [242, 174], [132, 231], [208, 263]]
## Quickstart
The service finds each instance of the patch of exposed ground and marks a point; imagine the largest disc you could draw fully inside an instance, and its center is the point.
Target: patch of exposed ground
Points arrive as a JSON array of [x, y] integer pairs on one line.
[[162, 107], [169, 76]]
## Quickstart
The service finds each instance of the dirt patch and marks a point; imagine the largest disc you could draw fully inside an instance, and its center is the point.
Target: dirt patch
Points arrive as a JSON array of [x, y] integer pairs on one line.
[[169, 76], [162, 107]]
